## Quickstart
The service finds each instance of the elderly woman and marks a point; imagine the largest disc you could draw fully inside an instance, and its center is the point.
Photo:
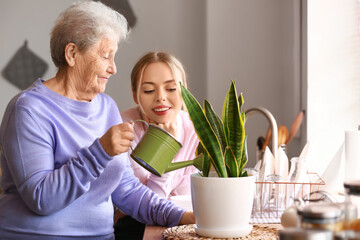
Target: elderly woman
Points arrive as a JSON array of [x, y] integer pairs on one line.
[[64, 147]]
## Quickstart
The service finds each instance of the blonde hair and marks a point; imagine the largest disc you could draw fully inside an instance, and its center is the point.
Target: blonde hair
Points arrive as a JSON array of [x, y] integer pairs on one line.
[[175, 65], [84, 24]]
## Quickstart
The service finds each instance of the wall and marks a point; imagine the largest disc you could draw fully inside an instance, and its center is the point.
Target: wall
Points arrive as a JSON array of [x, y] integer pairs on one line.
[[173, 26], [257, 44], [20, 21], [179, 29], [333, 84], [253, 42]]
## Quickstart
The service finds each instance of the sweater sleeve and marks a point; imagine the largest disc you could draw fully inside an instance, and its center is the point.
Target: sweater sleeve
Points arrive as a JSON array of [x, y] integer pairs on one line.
[[45, 188], [161, 185], [135, 199]]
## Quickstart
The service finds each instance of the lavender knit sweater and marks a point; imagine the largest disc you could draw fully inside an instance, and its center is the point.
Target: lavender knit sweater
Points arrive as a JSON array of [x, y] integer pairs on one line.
[[56, 178]]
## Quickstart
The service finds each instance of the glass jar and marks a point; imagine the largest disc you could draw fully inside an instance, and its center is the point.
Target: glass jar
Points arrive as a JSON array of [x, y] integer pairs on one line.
[[329, 216], [305, 234], [352, 201]]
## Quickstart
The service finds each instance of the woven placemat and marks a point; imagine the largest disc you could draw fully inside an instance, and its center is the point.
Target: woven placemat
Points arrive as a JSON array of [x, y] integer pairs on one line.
[[188, 232]]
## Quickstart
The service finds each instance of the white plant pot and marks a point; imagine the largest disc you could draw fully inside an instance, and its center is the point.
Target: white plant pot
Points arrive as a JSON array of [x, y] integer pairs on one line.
[[222, 206]]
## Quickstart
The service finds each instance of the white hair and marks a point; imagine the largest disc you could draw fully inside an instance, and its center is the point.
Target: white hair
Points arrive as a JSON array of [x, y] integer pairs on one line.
[[84, 24]]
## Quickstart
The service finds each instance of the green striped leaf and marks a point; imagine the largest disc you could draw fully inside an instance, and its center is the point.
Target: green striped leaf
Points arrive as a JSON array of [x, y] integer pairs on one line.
[[233, 123], [241, 101], [204, 131], [215, 123], [244, 156], [206, 166], [231, 163], [225, 118]]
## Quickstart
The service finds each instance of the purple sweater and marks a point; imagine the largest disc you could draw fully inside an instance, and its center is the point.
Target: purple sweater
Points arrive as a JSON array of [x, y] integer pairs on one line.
[[56, 177]]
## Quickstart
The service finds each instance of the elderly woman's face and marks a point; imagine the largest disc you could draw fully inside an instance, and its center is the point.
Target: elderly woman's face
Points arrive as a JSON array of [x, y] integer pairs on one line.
[[95, 66]]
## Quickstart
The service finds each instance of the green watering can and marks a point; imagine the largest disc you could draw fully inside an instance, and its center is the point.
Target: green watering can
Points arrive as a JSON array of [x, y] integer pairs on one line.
[[156, 150]]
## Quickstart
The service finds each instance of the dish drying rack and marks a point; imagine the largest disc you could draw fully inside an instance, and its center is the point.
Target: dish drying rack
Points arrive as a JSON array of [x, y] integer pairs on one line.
[[272, 198]]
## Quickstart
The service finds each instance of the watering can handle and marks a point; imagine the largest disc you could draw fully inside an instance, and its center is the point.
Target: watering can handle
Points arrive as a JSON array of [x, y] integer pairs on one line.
[[139, 120]]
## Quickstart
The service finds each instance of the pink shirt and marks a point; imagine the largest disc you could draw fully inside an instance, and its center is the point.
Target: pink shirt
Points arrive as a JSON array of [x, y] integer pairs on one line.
[[175, 182]]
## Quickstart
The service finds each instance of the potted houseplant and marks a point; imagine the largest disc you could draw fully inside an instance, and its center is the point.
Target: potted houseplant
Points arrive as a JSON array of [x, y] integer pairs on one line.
[[222, 199]]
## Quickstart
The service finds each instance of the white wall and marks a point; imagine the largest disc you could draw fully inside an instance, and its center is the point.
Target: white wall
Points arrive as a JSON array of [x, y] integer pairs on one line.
[[253, 42], [333, 83]]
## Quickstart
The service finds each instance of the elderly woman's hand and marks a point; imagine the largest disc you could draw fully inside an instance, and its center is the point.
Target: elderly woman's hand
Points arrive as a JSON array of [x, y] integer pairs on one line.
[[117, 139]]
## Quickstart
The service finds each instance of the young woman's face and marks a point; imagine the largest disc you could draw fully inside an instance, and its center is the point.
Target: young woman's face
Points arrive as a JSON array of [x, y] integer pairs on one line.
[[159, 94]]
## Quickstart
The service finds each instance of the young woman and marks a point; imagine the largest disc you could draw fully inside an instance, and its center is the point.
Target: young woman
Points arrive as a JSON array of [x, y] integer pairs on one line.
[[155, 83]]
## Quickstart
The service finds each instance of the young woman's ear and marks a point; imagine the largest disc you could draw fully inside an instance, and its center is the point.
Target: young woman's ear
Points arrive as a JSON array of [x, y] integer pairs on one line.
[[135, 98], [70, 53]]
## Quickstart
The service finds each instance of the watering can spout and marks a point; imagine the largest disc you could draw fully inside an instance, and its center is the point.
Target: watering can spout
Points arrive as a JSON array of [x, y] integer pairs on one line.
[[158, 170], [198, 162]]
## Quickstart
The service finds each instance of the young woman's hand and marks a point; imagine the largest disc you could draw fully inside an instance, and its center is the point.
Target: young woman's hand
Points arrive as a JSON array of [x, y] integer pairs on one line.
[[117, 139], [187, 218]]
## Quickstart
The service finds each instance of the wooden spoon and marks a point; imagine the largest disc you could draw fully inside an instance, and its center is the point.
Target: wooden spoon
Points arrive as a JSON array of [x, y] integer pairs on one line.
[[283, 134], [296, 125]]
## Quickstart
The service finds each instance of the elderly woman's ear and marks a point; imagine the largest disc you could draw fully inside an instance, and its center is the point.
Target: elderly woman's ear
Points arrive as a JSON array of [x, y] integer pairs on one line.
[[70, 52]]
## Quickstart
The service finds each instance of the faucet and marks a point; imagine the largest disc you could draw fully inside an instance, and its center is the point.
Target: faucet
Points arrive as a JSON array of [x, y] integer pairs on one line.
[[272, 122]]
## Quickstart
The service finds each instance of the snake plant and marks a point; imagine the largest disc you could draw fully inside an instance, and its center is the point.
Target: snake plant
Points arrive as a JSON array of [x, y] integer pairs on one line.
[[222, 140]]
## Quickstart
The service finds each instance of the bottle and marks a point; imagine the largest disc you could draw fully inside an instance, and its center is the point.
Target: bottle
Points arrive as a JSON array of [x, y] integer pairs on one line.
[[273, 192], [298, 176], [284, 148], [298, 169]]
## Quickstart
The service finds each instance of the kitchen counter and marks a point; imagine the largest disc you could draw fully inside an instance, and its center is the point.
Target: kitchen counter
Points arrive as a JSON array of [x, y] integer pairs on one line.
[[155, 232]]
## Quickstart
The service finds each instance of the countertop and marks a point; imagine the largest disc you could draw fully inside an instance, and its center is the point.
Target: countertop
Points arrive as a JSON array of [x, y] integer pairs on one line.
[[155, 232]]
